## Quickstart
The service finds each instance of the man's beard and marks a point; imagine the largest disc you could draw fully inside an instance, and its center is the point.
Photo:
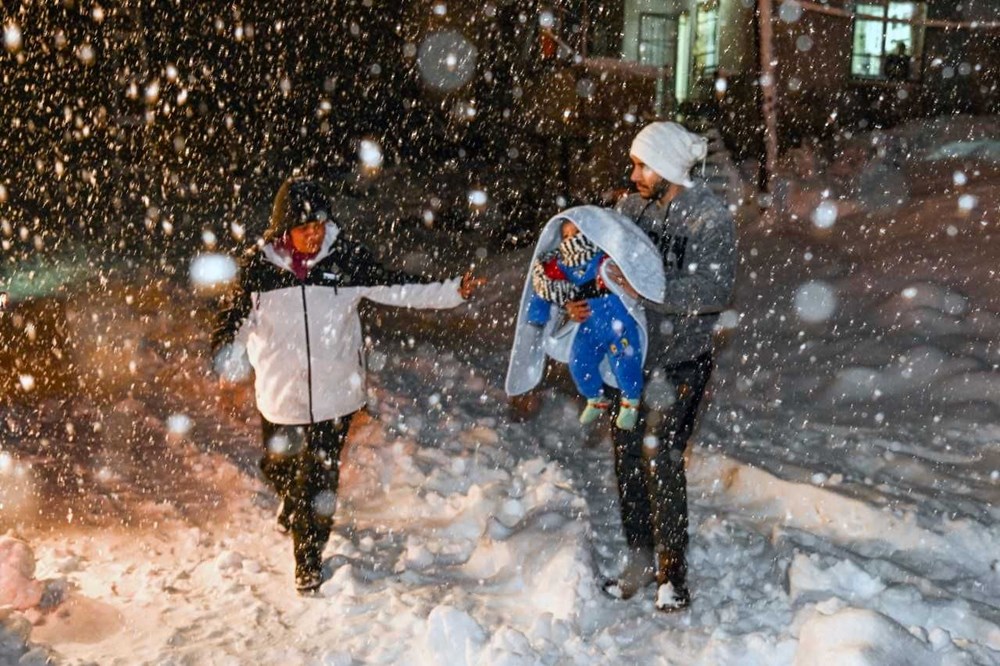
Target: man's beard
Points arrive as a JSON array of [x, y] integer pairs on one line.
[[658, 191]]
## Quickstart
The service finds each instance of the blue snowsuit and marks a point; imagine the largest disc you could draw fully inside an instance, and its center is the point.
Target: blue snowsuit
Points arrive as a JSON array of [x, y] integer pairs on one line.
[[609, 331]]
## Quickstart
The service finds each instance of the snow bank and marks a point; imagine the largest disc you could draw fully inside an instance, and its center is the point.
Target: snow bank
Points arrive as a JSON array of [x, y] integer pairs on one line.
[[19, 591], [858, 637], [18, 588], [944, 552], [922, 370], [903, 603], [452, 637], [934, 349]]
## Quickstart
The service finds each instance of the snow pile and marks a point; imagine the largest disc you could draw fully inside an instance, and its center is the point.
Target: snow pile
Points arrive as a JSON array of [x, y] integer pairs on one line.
[[453, 637], [961, 137], [942, 366], [19, 591], [18, 588], [861, 638]]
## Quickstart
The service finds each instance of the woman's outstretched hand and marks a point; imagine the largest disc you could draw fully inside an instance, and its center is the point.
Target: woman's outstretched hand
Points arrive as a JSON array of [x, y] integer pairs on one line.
[[469, 284]]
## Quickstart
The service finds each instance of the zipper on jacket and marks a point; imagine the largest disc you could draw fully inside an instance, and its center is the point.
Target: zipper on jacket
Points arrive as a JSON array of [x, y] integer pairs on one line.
[[309, 374]]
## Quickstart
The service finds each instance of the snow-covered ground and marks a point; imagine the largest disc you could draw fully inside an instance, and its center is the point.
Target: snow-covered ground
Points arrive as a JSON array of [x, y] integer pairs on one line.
[[844, 481]]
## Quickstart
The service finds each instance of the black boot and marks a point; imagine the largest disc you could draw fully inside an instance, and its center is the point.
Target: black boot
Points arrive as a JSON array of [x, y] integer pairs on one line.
[[308, 568], [309, 537], [671, 581], [636, 574]]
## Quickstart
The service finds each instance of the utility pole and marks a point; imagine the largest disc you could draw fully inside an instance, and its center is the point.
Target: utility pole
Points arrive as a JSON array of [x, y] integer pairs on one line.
[[768, 86]]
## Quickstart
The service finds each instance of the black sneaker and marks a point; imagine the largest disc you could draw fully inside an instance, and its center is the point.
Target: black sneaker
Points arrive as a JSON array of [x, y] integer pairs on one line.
[[671, 581]]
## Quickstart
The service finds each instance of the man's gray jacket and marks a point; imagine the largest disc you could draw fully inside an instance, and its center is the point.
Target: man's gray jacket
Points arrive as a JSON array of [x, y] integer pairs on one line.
[[696, 236]]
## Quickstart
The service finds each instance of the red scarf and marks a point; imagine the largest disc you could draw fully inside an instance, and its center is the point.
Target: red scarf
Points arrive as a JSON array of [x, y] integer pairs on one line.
[[300, 262]]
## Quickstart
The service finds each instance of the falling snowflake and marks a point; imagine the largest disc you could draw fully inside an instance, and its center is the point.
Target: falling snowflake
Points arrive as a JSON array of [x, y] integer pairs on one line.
[[13, 40], [815, 301], [825, 214], [370, 154], [211, 271]]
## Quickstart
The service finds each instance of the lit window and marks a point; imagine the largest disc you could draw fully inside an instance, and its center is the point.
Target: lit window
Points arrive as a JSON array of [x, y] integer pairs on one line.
[[655, 39], [706, 39], [883, 48]]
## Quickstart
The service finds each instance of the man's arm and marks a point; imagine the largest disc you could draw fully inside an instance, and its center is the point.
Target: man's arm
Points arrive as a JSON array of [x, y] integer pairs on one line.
[[703, 283]]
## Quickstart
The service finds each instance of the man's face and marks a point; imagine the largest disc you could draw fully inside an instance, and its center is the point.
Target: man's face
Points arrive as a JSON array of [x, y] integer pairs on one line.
[[307, 238], [646, 180]]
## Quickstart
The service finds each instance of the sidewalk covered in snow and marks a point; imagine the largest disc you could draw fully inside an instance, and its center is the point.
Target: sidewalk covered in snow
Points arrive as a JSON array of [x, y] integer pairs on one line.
[[844, 480]]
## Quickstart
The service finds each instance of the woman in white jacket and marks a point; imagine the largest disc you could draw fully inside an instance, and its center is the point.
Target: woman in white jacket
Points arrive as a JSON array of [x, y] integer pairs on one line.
[[295, 312]]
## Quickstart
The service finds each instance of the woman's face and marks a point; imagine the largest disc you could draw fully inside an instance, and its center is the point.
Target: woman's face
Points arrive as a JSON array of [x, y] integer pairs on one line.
[[308, 238]]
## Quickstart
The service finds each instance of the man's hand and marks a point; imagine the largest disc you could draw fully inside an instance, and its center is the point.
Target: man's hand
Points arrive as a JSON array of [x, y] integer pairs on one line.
[[469, 284], [618, 278], [578, 311]]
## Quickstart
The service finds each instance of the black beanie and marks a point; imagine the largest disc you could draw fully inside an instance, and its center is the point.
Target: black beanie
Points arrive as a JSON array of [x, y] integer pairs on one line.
[[298, 201]]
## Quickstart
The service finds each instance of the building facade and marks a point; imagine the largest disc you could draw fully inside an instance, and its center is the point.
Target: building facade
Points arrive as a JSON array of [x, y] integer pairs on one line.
[[861, 65]]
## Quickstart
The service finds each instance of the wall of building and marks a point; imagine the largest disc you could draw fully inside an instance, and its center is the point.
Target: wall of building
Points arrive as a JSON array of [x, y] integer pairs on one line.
[[818, 96], [737, 36], [814, 53]]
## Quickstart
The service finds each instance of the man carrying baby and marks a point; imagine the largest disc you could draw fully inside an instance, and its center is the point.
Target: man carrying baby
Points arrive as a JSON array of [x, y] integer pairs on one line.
[[696, 237]]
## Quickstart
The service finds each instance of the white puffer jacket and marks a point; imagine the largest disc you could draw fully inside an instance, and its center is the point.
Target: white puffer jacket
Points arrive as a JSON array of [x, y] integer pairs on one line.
[[303, 337]]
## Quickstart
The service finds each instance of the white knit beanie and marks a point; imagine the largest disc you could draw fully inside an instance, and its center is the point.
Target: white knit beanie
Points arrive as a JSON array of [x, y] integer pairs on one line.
[[669, 150]]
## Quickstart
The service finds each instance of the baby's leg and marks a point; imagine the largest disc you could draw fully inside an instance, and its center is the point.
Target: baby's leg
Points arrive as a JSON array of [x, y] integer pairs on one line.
[[584, 363], [627, 367], [625, 358]]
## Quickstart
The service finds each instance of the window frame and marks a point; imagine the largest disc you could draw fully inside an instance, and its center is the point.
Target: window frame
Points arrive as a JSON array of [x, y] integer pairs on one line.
[[684, 58], [705, 71], [666, 44], [916, 39]]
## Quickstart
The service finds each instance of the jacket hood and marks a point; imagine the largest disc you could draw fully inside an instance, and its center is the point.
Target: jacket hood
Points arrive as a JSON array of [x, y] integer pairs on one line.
[[298, 201], [272, 255]]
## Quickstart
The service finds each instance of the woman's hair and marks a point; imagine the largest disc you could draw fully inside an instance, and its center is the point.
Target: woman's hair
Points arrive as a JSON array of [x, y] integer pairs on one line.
[[298, 201]]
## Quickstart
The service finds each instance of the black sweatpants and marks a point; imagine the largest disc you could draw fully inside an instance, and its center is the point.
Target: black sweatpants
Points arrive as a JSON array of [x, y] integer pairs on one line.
[[652, 485], [302, 464]]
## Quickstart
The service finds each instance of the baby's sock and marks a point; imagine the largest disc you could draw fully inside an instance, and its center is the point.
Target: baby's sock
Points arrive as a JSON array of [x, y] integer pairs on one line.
[[628, 414], [595, 407]]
